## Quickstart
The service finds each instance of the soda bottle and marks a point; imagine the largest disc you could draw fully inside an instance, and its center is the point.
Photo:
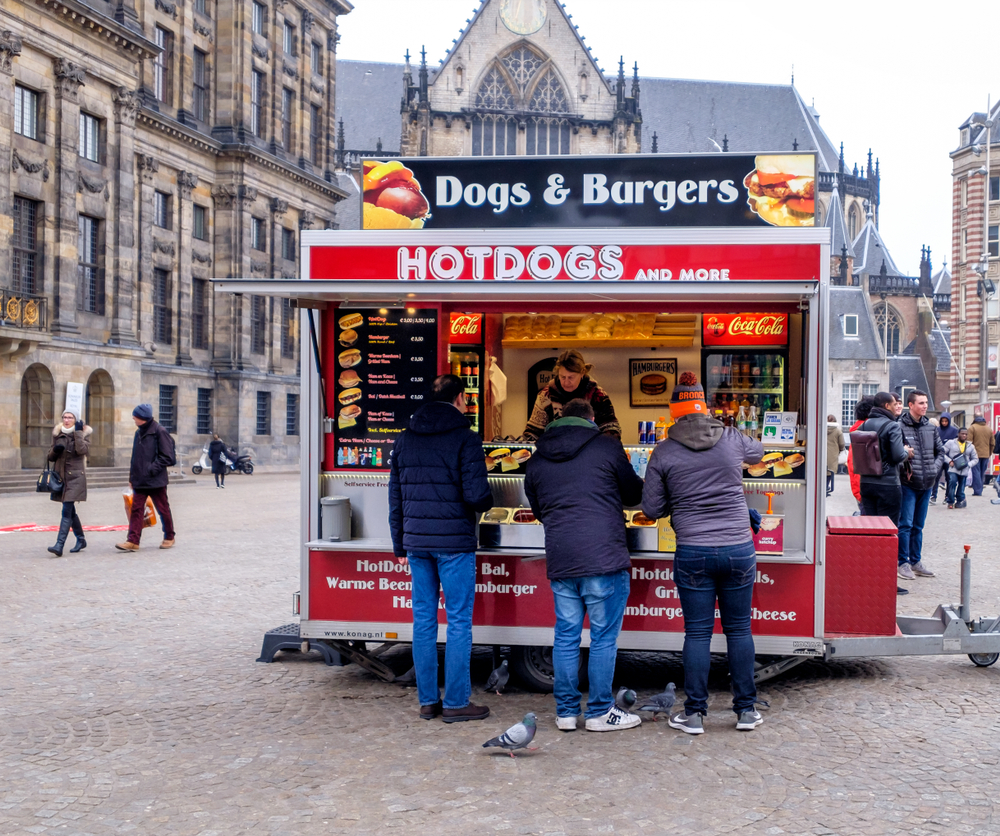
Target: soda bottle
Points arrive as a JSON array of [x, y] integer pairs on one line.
[[660, 429], [753, 421], [643, 462], [378, 457], [741, 420]]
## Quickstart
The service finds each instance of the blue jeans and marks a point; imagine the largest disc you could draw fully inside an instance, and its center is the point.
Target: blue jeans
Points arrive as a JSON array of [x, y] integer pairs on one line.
[[455, 575], [702, 574], [977, 476], [912, 515], [602, 597], [955, 483]]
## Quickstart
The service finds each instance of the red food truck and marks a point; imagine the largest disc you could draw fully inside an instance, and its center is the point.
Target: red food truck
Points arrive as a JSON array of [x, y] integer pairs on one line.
[[650, 266]]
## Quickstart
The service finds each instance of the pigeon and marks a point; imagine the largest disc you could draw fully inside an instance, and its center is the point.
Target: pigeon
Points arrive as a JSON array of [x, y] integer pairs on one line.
[[625, 699], [517, 736], [661, 703], [498, 679]]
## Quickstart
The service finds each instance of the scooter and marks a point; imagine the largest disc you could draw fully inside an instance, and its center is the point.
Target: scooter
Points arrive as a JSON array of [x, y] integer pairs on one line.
[[233, 462]]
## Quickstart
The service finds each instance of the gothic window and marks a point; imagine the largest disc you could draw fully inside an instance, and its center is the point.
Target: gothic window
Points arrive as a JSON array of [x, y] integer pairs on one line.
[[493, 135], [889, 332], [522, 64], [549, 96], [494, 94], [547, 136], [852, 222]]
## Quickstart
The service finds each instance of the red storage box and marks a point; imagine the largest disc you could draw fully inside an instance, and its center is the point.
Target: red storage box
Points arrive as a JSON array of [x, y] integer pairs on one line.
[[861, 561]]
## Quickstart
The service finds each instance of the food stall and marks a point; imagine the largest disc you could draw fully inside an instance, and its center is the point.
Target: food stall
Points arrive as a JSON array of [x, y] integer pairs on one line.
[[650, 266]]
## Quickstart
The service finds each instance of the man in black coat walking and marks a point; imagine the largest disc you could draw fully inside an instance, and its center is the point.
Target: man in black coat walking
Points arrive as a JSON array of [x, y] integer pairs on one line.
[[578, 483], [152, 454], [437, 487]]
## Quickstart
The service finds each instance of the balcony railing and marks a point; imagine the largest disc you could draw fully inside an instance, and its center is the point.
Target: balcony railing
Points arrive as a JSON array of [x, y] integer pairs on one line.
[[894, 285], [22, 310], [942, 303]]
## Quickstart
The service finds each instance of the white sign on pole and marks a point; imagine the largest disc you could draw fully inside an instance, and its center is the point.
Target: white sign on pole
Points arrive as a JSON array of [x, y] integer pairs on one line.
[[74, 399]]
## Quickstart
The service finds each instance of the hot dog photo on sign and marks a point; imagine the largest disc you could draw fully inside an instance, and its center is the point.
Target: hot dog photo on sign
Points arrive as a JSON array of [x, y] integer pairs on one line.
[[782, 189], [392, 197]]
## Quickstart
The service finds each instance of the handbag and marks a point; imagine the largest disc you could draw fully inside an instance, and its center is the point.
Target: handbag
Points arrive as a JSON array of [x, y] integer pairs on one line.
[[49, 482], [960, 461], [842, 456], [149, 512]]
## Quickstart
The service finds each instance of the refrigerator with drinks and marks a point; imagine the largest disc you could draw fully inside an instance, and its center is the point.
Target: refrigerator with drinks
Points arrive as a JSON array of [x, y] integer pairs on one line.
[[467, 358]]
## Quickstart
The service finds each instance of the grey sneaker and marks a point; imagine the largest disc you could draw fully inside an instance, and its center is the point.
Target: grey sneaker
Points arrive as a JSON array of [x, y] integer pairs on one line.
[[905, 572], [933, 500], [688, 723], [921, 570], [566, 723], [614, 720], [749, 720]]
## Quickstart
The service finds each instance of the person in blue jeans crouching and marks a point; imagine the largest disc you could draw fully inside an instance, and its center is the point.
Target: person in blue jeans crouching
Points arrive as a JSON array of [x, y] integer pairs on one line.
[[696, 477], [437, 488]]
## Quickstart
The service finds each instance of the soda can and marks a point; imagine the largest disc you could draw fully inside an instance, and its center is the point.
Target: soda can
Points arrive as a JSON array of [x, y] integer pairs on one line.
[[642, 432], [650, 432]]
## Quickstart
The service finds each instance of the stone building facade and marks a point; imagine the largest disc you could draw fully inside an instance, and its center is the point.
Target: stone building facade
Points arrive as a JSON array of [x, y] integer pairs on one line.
[[147, 149], [975, 263]]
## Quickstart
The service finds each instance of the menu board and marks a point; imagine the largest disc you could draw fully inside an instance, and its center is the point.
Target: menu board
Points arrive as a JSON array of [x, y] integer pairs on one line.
[[383, 372]]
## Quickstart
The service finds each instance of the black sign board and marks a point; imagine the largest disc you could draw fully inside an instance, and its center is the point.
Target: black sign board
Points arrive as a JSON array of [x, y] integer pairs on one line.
[[627, 190], [388, 361]]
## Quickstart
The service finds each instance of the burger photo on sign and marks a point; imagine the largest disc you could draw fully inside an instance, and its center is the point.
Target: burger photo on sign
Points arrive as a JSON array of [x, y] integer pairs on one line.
[[782, 189]]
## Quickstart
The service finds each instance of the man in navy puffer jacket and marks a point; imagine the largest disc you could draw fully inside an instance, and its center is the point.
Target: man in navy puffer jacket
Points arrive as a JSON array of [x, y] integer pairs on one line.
[[437, 486]]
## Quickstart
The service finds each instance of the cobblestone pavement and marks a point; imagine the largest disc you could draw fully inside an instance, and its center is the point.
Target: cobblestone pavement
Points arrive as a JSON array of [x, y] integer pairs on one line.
[[130, 702]]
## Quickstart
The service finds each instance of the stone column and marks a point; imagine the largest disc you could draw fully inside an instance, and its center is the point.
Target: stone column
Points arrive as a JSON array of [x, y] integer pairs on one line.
[[278, 208], [148, 166], [227, 245], [10, 48], [122, 225], [242, 355], [186, 181], [69, 78]]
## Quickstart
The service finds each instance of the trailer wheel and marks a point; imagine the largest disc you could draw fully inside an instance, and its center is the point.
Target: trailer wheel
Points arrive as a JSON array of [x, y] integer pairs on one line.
[[196, 469], [533, 667], [983, 660]]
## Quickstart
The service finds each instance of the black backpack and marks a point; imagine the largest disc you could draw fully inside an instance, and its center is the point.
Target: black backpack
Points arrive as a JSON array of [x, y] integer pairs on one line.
[[866, 451]]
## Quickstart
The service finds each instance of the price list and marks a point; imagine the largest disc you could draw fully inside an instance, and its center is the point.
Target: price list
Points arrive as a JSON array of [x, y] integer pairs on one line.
[[386, 363]]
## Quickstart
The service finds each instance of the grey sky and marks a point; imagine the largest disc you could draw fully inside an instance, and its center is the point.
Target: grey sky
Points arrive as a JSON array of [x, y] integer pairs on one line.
[[898, 78]]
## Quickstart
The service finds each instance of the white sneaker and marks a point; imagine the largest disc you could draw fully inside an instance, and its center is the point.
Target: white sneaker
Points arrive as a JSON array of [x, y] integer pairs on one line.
[[566, 723], [614, 720]]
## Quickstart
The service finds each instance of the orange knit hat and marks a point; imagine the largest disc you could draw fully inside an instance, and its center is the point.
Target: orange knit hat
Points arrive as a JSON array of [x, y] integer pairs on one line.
[[688, 397]]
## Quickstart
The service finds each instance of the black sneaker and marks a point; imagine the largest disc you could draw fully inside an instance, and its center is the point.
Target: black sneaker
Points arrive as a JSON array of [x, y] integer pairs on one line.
[[901, 591]]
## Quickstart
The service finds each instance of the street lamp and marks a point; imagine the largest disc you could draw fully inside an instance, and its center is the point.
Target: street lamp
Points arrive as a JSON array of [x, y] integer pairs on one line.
[[985, 287]]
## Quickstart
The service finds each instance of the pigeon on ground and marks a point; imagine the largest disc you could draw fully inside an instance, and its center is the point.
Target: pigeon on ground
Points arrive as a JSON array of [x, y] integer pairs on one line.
[[661, 703], [517, 736], [408, 679], [498, 679], [625, 699]]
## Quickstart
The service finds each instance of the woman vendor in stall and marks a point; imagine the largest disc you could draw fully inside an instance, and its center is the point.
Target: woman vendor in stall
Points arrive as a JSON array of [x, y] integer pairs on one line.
[[572, 380]]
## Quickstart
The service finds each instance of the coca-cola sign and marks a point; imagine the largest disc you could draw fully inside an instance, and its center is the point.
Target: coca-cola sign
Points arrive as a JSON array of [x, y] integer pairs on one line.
[[745, 329], [466, 328]]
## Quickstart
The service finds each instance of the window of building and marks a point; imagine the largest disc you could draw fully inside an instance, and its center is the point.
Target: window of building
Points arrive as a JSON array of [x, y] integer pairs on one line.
[[90, 137], [258, 324], [288, 39], [995, 188], [316, 58], [548, 135], [287, 104], [869, 389], [289, 328], [90, 297], [258, 235], [257, 103], [494, 133], [199, 223], [993, 309], [204, 426], [850, 325], [291, 414], [263, 413], [316, 134], [890, 327], [201, 6], [167, 415], [852, 222], [199, 311], [27, 276], [162, 64], [993, 241], [162, 315], [963, 192], [200, 86], [161, 210], [964, 245], [848, 400], [288, 244], [259, 18], [27, 106]]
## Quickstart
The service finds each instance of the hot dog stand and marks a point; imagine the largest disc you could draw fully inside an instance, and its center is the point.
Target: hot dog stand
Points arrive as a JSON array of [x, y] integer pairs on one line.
[[715, 290]]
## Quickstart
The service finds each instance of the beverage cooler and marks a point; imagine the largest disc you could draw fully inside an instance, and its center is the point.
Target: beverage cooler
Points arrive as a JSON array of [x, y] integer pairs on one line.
[[469, 358], [745, 366]]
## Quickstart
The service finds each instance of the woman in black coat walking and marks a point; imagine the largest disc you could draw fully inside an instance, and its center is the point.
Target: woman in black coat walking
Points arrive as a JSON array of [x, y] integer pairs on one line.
[[216, 450], [68, 454]]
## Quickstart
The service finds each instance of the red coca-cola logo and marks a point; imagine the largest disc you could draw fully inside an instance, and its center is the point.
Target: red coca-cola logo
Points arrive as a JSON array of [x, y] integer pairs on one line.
[[715, 327], [745, 329], [759, 326], [466, 326]]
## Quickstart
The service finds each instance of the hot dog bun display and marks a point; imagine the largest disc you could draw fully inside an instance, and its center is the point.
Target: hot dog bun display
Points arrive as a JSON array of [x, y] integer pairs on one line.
[[392, 197]]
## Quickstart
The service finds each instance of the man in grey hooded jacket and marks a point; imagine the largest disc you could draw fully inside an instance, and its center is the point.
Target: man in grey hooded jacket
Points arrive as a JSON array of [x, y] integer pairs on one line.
[[696, 477]]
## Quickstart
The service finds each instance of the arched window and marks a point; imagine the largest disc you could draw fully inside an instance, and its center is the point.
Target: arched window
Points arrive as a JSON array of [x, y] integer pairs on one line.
[[37, 416], [891, 331], [548, 134], [99, 412], [494, 133], [852, 222]]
